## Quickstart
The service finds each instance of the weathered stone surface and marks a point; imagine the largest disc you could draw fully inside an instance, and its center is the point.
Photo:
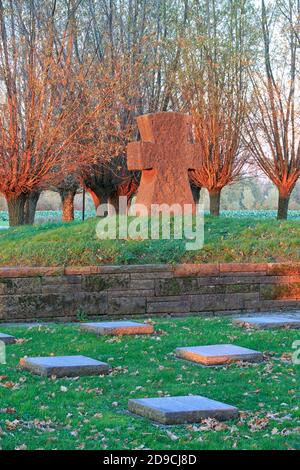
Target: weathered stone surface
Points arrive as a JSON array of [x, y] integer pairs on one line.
[[64, 288], [126, 269], [51, 306], [195, 285], [143, 284], [192, 270], [137, 293], [266, 322], [81, 270], [187, 285], [242, 289], [61, 280], [7, 339], [238, 279], [135, 268], [30, 272], [18, 286], [58, 294], [64, 366], [243, 268], [164, 156], [61, 284], [280, 292], [126, 305], [213, 302], [118, 328], [94, 303], [218, 354], [95, 283], [31, 306], [172, 305], [152, 275], [283, 269], [182, 410]]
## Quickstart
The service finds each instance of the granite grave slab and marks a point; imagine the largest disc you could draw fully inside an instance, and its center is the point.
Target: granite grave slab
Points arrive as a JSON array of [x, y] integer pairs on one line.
[[268, 322], [7, 339], [182, 410], [64, 366], [219, 354], [118, 328]]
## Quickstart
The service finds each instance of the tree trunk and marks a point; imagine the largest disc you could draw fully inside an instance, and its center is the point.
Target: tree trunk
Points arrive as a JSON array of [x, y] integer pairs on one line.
[[283, 206], [16, 206], [215, 202], [104, 200], [96, 198], [114, 201], [196, 191], [67, 198], [30, 207]]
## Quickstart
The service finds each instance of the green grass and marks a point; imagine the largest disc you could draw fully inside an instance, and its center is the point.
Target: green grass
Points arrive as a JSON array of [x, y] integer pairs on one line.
[[90, 412], [226, 240]]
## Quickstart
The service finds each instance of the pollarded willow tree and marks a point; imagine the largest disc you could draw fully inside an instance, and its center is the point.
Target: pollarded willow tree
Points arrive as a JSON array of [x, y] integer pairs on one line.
[[50, 121], [274, 122], [143, 31], [213, 84]]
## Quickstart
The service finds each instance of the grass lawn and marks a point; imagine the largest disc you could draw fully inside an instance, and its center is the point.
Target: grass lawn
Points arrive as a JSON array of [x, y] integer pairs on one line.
[[226, 240], [90, 412]]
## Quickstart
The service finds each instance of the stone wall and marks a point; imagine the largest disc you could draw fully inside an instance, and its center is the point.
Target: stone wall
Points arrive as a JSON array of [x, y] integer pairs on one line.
[[29, 294]]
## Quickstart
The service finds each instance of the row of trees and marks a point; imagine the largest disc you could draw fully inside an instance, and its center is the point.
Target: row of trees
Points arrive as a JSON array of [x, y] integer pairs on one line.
[[76, 73]]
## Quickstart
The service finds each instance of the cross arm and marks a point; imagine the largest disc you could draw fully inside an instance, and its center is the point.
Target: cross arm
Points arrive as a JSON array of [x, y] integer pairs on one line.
[[141, 156]]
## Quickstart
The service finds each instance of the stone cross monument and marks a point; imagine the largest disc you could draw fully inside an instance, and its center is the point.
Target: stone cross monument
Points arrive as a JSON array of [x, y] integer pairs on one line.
[[164, 155]]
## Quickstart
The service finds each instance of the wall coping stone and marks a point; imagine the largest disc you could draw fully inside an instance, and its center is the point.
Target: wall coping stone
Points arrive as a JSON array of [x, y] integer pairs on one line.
[[19, 272], [179, 270]]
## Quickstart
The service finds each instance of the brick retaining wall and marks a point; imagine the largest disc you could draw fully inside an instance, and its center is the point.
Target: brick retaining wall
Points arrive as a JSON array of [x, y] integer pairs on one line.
[[28, 294]]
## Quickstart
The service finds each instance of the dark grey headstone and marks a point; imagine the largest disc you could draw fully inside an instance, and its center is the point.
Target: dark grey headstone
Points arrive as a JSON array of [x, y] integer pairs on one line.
[[118, 328], [7, 339], [64, 366], [263, 323], [182, 410], [218, 354]]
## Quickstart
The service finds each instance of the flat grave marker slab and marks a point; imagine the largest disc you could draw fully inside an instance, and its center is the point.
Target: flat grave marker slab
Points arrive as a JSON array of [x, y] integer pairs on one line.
[[182, 410], [64, 366], [268, 322], [118, 328], [7, 339], [219, 354]]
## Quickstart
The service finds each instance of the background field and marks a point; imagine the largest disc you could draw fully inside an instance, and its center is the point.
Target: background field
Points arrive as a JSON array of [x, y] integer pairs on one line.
[[55, 216]]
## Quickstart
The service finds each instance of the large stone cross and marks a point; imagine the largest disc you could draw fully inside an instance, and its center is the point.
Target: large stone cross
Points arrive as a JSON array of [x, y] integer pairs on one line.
[[164, 156]]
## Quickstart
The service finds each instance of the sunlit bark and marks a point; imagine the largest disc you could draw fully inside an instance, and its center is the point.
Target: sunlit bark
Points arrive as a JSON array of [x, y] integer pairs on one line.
[[30, 207]]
